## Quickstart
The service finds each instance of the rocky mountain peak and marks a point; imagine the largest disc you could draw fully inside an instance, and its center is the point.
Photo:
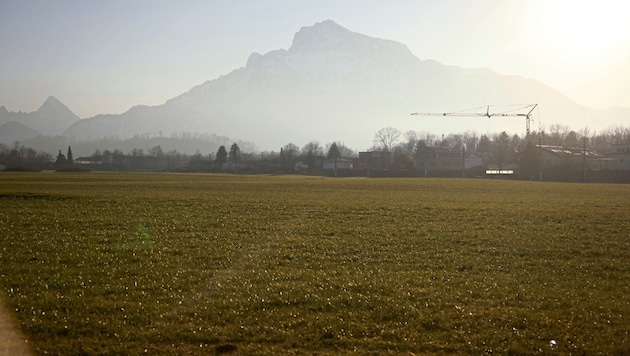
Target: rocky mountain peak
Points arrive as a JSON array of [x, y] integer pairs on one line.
[[51, 103], [53, 107], [323, 35]]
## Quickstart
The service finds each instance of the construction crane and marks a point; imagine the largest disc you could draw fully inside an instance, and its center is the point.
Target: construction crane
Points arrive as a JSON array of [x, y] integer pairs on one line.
[[508, 113]]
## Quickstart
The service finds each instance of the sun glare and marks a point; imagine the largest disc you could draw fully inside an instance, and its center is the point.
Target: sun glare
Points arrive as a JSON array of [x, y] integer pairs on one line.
[[585, 30]]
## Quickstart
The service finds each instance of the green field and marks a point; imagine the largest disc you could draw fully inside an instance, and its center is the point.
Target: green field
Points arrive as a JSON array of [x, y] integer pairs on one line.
[[115, 263]]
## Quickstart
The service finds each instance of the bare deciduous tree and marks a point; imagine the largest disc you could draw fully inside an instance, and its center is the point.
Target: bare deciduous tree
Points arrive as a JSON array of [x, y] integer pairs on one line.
[[386, 138], [313, 148], [311, 151], [411, 139], [290, 151], [558, 134]]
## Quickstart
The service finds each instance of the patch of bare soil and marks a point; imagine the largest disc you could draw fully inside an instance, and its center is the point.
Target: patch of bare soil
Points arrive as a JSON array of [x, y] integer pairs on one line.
[[12, 341]]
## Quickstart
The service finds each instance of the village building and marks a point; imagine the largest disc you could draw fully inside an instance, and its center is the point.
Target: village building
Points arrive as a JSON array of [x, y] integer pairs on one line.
[[437, 161], [300, 166], [87, 161], [618, 158], [337, 164], [571, 158], [372, 160]]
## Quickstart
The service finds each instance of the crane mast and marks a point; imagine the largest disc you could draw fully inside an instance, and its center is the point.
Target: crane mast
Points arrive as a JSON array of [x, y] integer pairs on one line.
[[510, 113]]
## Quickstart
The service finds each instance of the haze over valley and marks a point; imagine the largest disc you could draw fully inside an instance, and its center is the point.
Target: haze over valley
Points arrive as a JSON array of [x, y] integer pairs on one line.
[[330, 84]]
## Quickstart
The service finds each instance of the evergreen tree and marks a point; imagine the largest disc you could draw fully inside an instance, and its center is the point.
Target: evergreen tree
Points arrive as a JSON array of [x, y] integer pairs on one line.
[[221, 156], [235, 153], [70, 159], [281, 156], [333, 152], [61, 160]]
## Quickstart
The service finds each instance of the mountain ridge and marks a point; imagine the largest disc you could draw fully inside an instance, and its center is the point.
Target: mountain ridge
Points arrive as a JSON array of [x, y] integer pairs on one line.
[[13, 131], [333, 84]]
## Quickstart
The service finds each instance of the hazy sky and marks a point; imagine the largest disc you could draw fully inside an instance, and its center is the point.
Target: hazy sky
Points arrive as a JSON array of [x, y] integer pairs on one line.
[[105, 56]]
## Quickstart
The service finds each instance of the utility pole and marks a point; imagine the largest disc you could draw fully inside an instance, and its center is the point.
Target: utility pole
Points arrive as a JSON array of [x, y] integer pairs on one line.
[[584, 162], [540, 161], [463, 161]]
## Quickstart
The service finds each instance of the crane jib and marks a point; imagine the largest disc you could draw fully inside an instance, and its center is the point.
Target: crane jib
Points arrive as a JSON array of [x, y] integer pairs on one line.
[[488, 114]]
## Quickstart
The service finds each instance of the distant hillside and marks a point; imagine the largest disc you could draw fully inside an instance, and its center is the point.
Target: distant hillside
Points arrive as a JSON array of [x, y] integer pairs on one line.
[[13, 131], [182, 143]]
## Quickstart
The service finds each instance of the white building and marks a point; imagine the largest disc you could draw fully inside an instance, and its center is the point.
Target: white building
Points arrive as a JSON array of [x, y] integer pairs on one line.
[[337, 164], [618, 158]]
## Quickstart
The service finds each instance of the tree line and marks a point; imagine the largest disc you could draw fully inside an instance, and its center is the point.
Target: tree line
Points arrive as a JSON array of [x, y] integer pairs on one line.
[[19, 157], [404, 149]]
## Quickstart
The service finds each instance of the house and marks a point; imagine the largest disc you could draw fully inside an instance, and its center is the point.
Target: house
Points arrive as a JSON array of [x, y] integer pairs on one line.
[[87, 161], [372, 160], [336, 164], [300, 166], [570, 157], [439, 160], [618, 157], [476, 160]]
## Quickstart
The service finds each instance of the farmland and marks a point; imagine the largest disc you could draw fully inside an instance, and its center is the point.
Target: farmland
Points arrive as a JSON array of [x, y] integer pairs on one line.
[[111, 263]]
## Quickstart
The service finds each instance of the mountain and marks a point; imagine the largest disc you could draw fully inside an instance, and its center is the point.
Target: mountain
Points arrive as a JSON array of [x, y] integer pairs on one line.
[[13, 131], [52, 118], [333, 84]]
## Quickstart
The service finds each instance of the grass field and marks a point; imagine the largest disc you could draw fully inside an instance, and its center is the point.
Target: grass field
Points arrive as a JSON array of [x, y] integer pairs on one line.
[[115, 263]]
